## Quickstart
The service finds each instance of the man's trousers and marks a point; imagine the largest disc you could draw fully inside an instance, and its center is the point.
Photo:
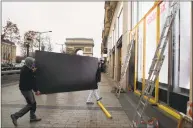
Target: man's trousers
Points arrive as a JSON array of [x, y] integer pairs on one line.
[[31, 105]]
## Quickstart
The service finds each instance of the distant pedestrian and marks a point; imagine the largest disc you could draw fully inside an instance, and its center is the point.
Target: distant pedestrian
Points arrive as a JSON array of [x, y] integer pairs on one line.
[[26, 85], [98, 79]]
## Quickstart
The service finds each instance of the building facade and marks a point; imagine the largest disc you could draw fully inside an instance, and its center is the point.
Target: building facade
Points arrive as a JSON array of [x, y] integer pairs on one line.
[[8, 51], [75, 44], [143, 22]]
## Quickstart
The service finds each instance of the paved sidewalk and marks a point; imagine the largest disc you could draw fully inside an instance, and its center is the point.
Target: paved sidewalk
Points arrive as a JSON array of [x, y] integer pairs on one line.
[[66, 110]]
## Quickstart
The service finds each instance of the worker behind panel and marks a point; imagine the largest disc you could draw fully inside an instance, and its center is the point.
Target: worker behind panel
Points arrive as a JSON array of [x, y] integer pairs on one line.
[[26, 85], [95, 92], [98, 79]]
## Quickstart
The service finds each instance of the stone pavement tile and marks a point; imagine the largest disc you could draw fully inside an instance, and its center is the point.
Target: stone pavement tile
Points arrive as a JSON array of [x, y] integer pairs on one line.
[[71, 119], [59, 126]]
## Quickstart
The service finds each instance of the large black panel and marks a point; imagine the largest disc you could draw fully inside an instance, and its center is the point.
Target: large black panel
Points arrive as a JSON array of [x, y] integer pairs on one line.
[[59, 72]]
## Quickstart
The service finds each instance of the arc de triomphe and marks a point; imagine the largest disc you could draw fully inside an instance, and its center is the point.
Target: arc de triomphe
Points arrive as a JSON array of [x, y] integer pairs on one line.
[[75, 44]]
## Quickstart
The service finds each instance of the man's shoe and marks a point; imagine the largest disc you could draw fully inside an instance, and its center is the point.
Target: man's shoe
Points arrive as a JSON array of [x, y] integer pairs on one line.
[[14, 119], [35, 119], [99, 99], [89, 102]]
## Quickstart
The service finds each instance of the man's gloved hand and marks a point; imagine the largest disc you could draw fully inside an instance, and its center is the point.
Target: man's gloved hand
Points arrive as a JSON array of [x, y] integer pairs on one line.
[[34, 69], [38, 93]]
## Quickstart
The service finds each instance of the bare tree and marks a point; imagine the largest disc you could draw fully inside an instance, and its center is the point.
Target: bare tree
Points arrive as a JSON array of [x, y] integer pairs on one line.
[[49, 47], [34, 39], [63, 49], [46, 42], [11, 32], [29, 42], [23, 49], [33, 36]]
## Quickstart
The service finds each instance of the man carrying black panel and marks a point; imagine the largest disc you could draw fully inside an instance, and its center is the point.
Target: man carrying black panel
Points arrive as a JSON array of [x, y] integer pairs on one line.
[[26, 85]]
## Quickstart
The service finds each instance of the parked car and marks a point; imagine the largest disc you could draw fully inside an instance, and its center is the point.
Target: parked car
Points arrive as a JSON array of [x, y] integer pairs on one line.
[[13, 64], [6, 66], [20, 64]]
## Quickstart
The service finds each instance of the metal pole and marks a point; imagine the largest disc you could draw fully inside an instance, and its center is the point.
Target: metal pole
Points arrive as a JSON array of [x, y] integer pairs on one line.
[[27, 45], [11, 54], [32, 48], [39, 41], [11, 50]]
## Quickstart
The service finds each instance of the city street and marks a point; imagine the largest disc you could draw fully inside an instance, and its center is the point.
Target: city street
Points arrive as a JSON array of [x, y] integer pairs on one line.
[[66, 109], [138, 54]]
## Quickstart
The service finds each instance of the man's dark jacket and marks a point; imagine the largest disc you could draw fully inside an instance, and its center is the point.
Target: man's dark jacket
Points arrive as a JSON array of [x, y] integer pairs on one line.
[[98, 75], [27, 79]]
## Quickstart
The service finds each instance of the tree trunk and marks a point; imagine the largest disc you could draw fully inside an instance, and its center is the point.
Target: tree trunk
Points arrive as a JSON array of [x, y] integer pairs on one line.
[[42, 48], [2, 36], [27, 50]]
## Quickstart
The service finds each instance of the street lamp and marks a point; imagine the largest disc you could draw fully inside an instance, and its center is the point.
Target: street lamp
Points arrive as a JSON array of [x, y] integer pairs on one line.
[[40, 35], [27, 44], [42, 48]]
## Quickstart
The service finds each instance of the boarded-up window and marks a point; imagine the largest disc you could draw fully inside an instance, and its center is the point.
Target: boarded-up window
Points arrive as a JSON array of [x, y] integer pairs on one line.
[[185, 23]]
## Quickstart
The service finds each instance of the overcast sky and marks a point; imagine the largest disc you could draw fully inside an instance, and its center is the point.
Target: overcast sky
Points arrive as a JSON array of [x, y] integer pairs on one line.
[[64, 19]]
